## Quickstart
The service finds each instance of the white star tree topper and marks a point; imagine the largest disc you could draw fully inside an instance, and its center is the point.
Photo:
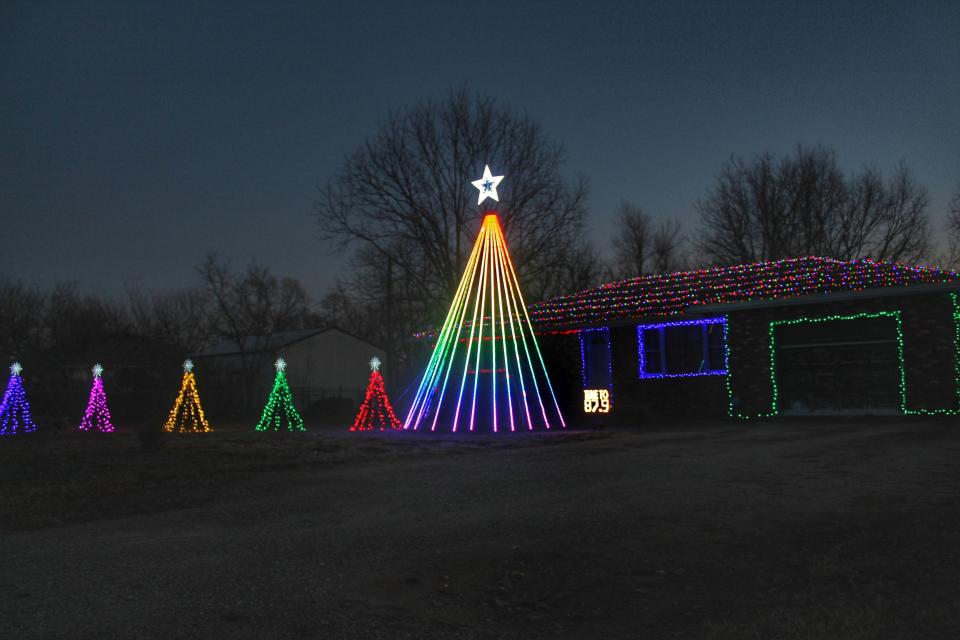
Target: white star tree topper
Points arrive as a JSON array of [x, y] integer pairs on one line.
[[97, 370], [16, 368], [375, 363], [280, 364], [187, 365], [487, 185]]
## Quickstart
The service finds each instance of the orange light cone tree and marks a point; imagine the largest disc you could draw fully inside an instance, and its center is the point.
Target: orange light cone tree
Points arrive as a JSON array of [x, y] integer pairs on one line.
[[187, 414], [486, 372], [376, 411]]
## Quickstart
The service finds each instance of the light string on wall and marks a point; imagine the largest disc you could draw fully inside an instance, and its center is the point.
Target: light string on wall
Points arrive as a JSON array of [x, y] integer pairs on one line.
[[732, 401]]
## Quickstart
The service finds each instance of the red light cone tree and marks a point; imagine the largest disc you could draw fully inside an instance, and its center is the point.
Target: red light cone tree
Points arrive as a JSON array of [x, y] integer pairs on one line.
[[15, 414], [97, 415], [187, 414], [376, 411], [486, 372]]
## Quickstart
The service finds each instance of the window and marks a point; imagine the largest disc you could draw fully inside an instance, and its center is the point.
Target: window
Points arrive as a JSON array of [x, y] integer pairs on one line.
[[595, 358], [683, 348]]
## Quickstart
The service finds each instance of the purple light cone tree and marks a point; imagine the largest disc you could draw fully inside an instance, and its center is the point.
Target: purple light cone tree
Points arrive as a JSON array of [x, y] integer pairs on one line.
[[97, 415], [15, 408]]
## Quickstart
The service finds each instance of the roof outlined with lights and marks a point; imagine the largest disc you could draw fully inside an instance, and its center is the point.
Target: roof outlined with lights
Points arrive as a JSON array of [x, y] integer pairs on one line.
[[682, 292]]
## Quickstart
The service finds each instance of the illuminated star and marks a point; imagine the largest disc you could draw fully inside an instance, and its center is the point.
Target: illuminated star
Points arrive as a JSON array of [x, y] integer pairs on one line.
[[187, 365], [487, 185], [375, 363], [280, 364], [97, 370], [16, 368]]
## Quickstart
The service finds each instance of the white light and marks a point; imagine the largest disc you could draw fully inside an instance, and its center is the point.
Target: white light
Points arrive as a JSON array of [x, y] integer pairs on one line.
[[16, 368], [187, 365], [280, 364], [97, 370], [375, 363], [487, 185]]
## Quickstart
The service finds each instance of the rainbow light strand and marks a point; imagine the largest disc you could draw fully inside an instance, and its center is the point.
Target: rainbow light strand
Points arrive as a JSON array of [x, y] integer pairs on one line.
[[515, 375], [673, 293]]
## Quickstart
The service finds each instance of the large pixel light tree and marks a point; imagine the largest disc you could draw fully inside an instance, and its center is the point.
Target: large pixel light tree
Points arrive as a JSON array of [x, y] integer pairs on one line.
[[486, 372], [15, 416]]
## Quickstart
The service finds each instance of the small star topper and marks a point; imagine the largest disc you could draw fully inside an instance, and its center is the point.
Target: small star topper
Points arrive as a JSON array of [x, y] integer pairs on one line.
[[374, 363], [187, 365], [487, 185], [97, 370], [280, 364], [16, 368]]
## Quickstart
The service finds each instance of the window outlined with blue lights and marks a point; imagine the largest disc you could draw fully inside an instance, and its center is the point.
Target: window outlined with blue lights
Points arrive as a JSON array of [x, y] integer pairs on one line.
[[596, 365], [682, 349]]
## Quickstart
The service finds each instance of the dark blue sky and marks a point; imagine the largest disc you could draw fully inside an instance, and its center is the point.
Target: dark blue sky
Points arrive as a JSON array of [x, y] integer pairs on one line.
[[135, 137]]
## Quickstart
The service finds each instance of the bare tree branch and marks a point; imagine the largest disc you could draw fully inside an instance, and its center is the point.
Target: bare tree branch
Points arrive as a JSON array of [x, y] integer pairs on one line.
[[803, 204]]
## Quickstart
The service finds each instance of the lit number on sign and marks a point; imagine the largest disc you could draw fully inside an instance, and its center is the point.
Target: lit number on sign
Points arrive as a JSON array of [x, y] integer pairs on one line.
[[596, 401]]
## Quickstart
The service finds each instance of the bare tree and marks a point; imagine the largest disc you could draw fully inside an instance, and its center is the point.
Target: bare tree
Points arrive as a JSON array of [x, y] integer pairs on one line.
[[246, 307], [643, 247], [803, 204], [953, 230], [252, 303], [582, 268], [177, 318], [405, 198], [20, 306]]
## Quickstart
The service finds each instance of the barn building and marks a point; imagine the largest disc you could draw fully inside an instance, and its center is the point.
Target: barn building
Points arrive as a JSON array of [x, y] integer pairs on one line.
[[804, 336], [326, 368]]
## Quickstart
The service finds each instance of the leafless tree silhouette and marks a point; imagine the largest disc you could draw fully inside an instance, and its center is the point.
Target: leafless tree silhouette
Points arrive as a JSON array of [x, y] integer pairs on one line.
[[404, 204], [641, 246], [803, 204]]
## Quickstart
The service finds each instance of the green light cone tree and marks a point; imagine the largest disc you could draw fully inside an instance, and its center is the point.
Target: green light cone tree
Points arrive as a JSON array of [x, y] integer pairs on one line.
[[279, 410]]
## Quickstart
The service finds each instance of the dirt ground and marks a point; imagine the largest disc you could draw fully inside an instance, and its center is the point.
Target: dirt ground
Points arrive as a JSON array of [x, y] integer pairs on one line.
[[717, 530]]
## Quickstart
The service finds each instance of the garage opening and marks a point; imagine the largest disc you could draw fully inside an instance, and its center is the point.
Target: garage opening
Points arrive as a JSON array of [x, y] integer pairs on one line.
[[838, 367]]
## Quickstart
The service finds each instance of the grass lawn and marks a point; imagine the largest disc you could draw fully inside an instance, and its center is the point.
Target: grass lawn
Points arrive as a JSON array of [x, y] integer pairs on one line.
[[786, 529]]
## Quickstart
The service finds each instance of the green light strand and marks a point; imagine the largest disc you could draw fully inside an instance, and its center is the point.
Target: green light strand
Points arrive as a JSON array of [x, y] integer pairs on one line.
[[774, 408]]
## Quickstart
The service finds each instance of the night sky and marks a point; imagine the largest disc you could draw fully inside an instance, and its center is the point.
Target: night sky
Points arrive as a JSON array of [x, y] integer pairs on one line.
[[136, 137]]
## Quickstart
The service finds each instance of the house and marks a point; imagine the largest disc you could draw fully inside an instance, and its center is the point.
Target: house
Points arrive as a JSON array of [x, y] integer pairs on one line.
[[791, 337], [322, 365]]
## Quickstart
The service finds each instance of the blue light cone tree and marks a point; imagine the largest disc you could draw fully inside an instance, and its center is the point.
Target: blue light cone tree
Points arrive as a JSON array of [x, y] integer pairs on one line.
[[15, 416], [486, 373]]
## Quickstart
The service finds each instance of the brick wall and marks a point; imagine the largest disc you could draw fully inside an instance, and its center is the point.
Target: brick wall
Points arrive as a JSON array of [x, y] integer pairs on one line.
[[928, 332]]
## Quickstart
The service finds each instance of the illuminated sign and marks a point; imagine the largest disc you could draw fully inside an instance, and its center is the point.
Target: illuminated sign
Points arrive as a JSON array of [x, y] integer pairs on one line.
[[596, 401]]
